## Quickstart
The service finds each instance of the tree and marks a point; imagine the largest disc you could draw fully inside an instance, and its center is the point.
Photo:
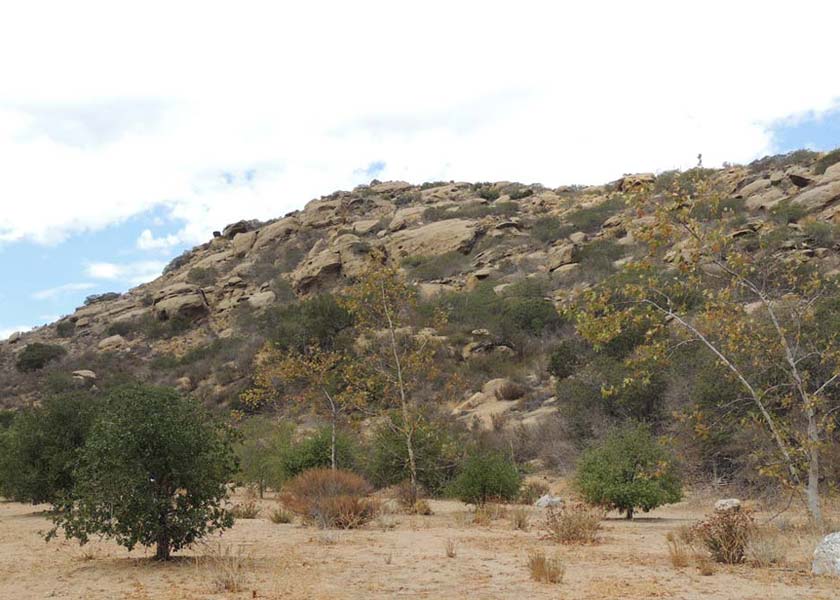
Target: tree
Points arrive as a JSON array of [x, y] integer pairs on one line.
[[323, 379], [153, 471], [36, 356], [395, 360], [629, 470], [487, 476], [41, 447], [751, 299], [262, 450]]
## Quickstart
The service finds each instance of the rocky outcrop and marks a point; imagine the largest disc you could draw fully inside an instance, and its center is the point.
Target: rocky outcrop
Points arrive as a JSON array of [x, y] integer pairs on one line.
[[827, 556], [451, 235], [181, 300]]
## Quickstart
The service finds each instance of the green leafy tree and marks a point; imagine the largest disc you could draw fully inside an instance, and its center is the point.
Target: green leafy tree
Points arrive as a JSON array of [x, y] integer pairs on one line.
[[323, 449], [261, 450], [629, 470], [486, 476], [36, 356], [41, 446], [153, 471]]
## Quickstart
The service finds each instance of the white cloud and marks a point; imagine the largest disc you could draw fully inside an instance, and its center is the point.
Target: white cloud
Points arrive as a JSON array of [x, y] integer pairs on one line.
[[147, 241], [5, 332], [133, 273], [59, 290], [267, 105]]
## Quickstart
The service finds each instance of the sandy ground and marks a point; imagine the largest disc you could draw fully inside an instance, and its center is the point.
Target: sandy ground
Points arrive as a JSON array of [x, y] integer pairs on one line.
[[406, 561]]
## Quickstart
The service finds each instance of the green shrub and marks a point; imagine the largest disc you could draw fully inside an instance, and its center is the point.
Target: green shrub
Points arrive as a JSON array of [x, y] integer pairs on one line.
[[597, 257], [531, 315], [315, 452], [471, 211], [785, 212], [426, 268], [202, 276], [35, 356], [487, 476], [564, 359], [315, 321], [41, 447], [517, 191], [821, 234], [550, 229], [65, 328], [589, 220], [261, 451], [436, 451], [406, 198], [826, 161], [488, 192], [629, 470]]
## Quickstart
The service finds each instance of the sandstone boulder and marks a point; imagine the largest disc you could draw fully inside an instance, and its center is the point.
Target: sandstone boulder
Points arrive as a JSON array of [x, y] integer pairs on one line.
[[827, 556], [277, 231], [433, 239], [819, 197], [548, 500], [262, 299], [181, 300], [728, 505], [630, 183], [561, 255], [112, 344]]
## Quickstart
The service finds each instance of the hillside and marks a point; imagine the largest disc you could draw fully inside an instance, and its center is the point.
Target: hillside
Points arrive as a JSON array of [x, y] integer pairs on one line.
[[199, 325]]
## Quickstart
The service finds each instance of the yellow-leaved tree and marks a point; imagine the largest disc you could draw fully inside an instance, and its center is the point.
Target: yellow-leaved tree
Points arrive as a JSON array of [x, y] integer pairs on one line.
[[750, 293]]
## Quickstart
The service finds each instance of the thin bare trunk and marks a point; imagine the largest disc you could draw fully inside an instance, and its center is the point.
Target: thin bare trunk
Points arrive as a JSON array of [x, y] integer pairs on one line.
[[334, 418]]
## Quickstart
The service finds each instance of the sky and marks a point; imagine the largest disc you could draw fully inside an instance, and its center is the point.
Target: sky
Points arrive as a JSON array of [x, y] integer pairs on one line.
[[129, 132]]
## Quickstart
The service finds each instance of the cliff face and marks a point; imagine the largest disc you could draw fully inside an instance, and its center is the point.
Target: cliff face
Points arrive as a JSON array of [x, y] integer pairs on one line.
[[446, 236]]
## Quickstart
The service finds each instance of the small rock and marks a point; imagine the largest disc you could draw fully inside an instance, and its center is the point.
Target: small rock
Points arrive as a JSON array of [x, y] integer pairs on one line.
[[548, 500], [827, 556], [728, 504], [85, 374]]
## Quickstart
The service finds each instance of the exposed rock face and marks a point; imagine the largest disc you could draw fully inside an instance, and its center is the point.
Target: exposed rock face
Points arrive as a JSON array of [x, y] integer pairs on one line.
[[180, 300], [827, 556], [433, 239]]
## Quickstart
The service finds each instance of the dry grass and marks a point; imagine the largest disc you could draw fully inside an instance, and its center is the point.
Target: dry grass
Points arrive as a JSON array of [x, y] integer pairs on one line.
[[450, 549], [532, 491], [573, 524], [228, 567], [520, 518], [245, 510], [679, 553], [280, 516], [544, 569]]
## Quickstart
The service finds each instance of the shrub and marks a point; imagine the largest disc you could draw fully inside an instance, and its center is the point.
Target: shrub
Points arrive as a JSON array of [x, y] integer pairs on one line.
[[202, 276], [520, 518], [436, 267], [35, 356], [262, 449], [436, 452], [531, 315], [550, 229], [766, 548], [564, 359], [154, 470], [678, 550], [41, 446], [785, 212], [589, 220], [826, 161], [488, 192], [487, 476], [245, 510], [228, 567], [65, 328], [532, 491], [629, 470], [573, 524], [314, 452], [315, 321], [725, 534], [597, 257], [820, 233], [544, 569], [330, 498], [280, 516]]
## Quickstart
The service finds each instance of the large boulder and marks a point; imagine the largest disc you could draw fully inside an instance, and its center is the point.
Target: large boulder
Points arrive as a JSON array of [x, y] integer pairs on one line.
[[728, 505], [547, 500], [113, 343], [827, 556], [818, 197], [180, 300], [433, 239], [276, 232], [561, 255], [630, 183]]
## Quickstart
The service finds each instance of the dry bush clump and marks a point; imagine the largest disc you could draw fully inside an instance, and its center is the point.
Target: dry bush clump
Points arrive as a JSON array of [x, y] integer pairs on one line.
[[520, 518], [280, 516], [573, 524], [766, 547], [725, 534], [245, 510], [451, 552], [330, 498], [544, 569], [679, 552], [532, 491], [422, 507], [227, 566]]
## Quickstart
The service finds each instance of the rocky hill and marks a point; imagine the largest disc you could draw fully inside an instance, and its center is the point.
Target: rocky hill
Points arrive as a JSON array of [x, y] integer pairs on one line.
[[199, 325]]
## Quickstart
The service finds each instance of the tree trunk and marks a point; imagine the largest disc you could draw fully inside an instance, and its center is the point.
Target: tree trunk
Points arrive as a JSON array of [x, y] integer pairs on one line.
[[629, 514], [412, 466], [332, 445], [163, 547], [813, 489]]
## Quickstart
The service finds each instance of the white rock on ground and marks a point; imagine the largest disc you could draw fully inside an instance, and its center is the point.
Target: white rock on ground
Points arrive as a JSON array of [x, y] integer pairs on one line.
[[727, 504], [827, 556], [549, 500]]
